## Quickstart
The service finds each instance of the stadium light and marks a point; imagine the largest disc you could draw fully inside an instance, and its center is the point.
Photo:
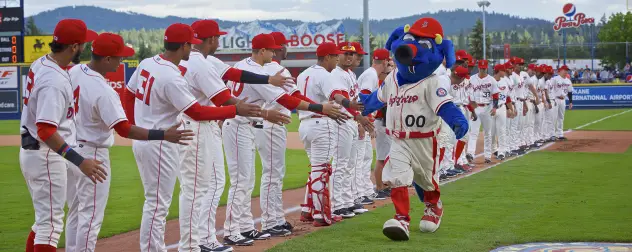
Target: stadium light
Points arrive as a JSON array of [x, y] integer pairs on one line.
[[484, 4]]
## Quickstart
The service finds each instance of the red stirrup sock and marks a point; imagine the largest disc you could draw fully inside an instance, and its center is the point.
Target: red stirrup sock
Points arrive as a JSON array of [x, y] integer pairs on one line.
[[44, 248], [460, 145], [401, 202], [30, 242]]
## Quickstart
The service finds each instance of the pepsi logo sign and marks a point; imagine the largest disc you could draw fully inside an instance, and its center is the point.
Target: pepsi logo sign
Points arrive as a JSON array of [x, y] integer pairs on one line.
[[571, 18], [569, 10]]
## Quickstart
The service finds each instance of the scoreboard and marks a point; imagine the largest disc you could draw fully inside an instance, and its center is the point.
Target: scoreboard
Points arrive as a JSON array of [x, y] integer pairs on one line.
[[10, 49]]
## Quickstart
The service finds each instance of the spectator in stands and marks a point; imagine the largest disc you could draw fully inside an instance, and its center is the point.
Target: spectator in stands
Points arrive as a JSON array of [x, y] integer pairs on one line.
[[604, 76], [593, 77], [586, 76], [627, 68]]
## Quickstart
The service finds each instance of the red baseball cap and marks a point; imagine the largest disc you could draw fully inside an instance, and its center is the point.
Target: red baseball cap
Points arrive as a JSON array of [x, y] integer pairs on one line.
[[73, 31], [461, 55], [264, 41], [279, 38], [531, 66], [206, 28], [327, 48], [508, 66], [110, 44], [471, 61], [499, 67], [563, 67], [462, 72], [181, 33], [483, 64], [426, 28], [358, 47], [381, 54], [347, 47], [517, 61]]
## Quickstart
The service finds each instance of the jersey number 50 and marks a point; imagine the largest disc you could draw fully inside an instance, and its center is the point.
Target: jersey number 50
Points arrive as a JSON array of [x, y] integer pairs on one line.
[[411, 121], [147, 84]]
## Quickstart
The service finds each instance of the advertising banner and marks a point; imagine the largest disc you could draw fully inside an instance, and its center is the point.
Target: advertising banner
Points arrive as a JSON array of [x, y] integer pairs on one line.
[[11, 19], [9, 77], [36, 47], [602, 96]]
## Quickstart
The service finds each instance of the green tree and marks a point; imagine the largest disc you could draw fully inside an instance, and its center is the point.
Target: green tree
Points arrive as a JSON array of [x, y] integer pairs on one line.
[[86, 54], [143, 51], [618, 28], [476, 41], [461, 41], [31, 28]]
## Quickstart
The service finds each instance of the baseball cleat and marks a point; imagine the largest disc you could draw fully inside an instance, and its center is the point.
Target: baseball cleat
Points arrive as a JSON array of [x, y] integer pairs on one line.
[[381, 195], [366, 201], [460, 168], [256, 235], [470, 158], [320, 223], [358, 209], [450, 173], [215, 246], [306, 217], [443, 177], [238, 240], [277, 231], [432, 218], [552, 139], [344, 213], [488, 161], [396, 230], [501, 157], [287, 226], [562, 139]]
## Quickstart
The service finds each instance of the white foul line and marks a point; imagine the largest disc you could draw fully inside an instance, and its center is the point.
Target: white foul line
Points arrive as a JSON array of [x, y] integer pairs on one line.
[[298, 208]]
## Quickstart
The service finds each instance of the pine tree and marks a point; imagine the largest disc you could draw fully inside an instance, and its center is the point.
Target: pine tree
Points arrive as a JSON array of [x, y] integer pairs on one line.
[[476, 41], [461, 41], [31, 28], [143, 51]]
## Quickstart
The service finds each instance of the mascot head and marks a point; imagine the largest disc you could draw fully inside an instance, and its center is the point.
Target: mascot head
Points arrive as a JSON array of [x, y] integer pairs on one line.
[[419, 49]]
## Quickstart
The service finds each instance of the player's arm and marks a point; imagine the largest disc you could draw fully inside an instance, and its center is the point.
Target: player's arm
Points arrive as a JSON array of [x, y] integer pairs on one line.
[[444, 107], [243, 76], [128, 97], [534, 92], [51, 104], [329, 109], [570, 96]]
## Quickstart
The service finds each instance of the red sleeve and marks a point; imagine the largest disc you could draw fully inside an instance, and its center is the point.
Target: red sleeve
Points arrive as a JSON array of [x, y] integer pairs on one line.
[[470, 108], [45, 130], [128, 105], [205, 113], [289, 102], [221, 98], [496, 96], [365, 91], [232, 74], [340, 92], [302, 97], [508, 100], [353, 111], [123, 128]]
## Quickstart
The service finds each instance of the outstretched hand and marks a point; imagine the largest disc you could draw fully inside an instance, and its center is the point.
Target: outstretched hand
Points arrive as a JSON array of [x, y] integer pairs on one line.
[[176, 136], [281, 81]]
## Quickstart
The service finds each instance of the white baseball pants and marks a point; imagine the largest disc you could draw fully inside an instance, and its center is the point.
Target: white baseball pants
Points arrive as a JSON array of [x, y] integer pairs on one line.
[[500, 129], [239, 145], [196, 175], [319, 138], [559, 125], [271, 143], [382, 141], [210, 201], [45, 174], [355, 165], [447, 142], [341, 194], [86, 202], [461, 160], [367, 187], [529, 123], [551, 119], [158, 163], [516, 126], [539, 123], [484, 118]]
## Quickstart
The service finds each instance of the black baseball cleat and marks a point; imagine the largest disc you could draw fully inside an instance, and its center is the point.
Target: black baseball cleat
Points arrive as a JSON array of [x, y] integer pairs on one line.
[[381, 195], [344, 213], [215, 247], [562, 139], [278, 231], [287, 226], [488, 161], [470, 158], [256, 235], [495, 153], [238, 240], [553, 139], [366, 201], [443, 177], [460, 168], [451, 173], [501, 157]]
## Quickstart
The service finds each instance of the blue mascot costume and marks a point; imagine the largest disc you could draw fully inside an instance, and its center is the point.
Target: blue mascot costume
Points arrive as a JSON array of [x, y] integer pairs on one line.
[[416, 92]]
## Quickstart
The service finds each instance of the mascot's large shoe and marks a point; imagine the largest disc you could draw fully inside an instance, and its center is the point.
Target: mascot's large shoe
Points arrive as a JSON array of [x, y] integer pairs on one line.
[[432, 218], [396, 230]]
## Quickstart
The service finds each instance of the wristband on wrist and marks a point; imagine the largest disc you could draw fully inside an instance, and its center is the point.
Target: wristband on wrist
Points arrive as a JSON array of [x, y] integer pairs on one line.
[[69, 154], [315, 107], [346, 103], [156, 135]]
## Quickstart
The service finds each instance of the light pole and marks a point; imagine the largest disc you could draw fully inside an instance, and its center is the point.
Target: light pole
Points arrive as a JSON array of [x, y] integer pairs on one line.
[[366, 35], [484, 4]]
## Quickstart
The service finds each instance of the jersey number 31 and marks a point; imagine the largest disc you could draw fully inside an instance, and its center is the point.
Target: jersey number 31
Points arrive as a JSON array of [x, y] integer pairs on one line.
[[148, 82]]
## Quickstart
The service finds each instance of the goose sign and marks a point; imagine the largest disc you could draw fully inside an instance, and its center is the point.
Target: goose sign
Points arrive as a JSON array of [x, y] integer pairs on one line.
[[571, 18]]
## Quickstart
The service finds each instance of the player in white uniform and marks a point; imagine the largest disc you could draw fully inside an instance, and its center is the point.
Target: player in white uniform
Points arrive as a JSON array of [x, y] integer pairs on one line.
[[563, 88], [500, 119], [518, 147], [369, 81], [161, 96], [345, 90], [99, 112], [239, 138], [317, 133], [533, 100], [538, 129], [551, 113], [48, 131], [486, 96]]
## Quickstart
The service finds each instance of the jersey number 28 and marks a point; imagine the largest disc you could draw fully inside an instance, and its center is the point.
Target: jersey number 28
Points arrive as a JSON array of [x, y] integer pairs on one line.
[[148, 82]]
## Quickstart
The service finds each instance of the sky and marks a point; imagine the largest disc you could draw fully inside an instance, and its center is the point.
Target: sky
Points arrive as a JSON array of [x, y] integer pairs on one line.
[[319, 10]]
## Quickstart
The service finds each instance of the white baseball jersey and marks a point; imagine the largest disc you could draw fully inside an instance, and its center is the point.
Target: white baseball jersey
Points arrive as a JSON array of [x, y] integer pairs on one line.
[[48, 98], [459, 92], [98, 109], [314, 84], [442, 70], [541, 87], [484, 88], [503, 90], [531, 81], [345, 81], [524, 90], [414, 107], [271, 69], [256, 94], [518, 82], [561, 86], [369, 80], [219, 65], [510, 86], [161, 93], [203, 80]]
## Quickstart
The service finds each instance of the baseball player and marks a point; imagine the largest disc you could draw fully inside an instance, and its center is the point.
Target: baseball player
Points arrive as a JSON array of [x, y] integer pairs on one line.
[[369, 81], [161, 96], [539, 117], [318, 135], [517, 123], [486, 95], [239, 139], [504, 105], [533, 100], [98, 112], [469, 90], [383, 142], [47, 128], [551, 114], [512, 113], [563, 88], [345, 90]]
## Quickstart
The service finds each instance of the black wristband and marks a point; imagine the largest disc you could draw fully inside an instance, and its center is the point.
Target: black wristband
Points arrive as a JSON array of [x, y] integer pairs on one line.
[[570, 97], [156, 135], [346, 103], [253, 78], [315, 107], [495, 103], [69, 154], [548, 101]]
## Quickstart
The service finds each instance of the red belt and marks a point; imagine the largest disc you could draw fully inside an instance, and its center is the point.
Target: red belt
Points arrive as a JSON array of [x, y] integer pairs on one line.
[[408, 134], [482, 105]]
